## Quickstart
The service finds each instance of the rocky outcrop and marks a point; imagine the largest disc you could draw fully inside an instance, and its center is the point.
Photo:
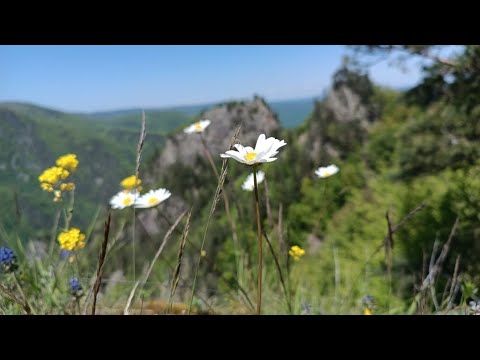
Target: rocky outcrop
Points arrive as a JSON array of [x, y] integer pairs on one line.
[[255, 116], [340, 122]]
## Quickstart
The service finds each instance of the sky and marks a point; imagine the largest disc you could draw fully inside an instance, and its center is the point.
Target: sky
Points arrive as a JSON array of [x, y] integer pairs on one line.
[[80, 78]]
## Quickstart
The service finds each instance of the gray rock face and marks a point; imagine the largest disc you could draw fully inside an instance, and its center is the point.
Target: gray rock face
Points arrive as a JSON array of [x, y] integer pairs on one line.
[[255, 116], [338, 123], [345, 106]]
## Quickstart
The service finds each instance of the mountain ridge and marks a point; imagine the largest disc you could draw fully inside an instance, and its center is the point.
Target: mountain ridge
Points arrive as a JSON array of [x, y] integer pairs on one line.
[[291, 112]]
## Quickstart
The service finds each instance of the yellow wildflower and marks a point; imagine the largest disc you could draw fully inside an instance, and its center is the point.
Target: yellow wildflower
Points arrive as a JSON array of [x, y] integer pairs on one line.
[[67, 186], [71, 240], [68, 161], [47, 187], [367, 311], [131, 182], [53, 175], [203, 253], [296, 252]]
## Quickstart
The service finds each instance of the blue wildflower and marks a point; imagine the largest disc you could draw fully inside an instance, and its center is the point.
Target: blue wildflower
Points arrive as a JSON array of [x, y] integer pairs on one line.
[[65, 254], [8, 260], [75, 287], [69, 255]]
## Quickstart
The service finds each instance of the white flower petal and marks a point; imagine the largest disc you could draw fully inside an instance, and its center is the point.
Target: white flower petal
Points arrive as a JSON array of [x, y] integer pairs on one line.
[[249, 184], [267, 160], [260, 141], [235, 155], [239, 147], [324, 172], [266, 145]]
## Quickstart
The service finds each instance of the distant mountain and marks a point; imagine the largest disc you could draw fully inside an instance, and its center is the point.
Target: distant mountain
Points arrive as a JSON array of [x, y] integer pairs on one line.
[[291, 113], [159, 121]]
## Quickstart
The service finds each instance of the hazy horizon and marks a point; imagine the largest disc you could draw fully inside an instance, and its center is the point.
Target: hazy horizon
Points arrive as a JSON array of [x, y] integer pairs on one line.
[[161, 107]]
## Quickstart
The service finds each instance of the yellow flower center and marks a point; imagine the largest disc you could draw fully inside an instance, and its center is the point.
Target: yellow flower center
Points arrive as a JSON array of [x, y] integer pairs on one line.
[[327, 173], [250, 156], [198, 126], [152, 201], [127, 201]]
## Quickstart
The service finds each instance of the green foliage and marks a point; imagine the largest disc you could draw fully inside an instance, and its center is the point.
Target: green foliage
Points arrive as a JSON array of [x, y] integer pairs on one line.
[[441, 138]]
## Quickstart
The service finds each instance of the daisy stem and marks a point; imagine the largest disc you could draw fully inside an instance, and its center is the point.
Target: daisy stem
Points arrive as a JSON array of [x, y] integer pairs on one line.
[[259, 233], [133, 244]]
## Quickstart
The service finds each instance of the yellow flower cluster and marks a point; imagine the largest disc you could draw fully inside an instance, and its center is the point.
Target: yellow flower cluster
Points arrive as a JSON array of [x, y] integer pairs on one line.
[[296, 252], [67, 186], [68, 161], [53, 175], [71, 240], [131, 183], [51, 179], [367, 311]]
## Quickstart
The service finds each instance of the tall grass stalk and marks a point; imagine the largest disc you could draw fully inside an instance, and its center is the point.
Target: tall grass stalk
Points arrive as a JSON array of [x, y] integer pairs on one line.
[[176, 275], [227, 282], [337, 274], [267, 204], [6, 292], [28, 308], [101, 261], [150, 268], [226, 202], [216, 197], [280, 273], [186, 283], [141, 141]]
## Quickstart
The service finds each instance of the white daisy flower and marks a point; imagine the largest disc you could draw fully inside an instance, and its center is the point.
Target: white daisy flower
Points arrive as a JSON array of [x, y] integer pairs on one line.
[[198, 127], [324, 172], [248, 184], [123, 199], [264, 151], [152, 198]]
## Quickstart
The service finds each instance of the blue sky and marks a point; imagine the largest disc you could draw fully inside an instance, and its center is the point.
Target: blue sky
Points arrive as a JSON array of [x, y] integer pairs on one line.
[[95, 78]]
